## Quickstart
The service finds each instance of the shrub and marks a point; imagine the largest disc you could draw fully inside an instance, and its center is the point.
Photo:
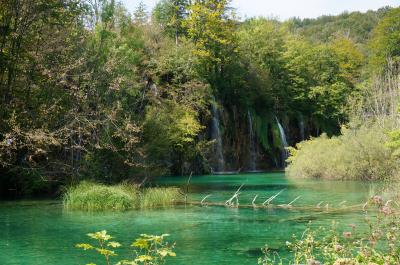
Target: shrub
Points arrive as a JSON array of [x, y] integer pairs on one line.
[[358, 153]]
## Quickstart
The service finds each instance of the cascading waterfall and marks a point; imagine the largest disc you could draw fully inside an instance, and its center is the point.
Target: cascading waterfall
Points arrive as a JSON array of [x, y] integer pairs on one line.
[[284, 152], [253, 155], [216, 135], [301, 127]]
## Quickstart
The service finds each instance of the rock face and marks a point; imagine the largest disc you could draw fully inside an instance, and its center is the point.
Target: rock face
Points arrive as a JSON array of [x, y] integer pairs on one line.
[[249, 141]]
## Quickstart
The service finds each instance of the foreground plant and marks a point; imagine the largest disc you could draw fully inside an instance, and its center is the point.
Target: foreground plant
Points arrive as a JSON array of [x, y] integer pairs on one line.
[[147, 249], [378, 245]]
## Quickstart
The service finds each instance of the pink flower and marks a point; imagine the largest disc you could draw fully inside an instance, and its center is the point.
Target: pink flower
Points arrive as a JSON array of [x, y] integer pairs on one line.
[[377, 199], [338, 247], [386, 210], [346, 234]]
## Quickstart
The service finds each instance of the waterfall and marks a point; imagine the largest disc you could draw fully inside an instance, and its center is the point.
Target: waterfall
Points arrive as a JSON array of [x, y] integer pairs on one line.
[[284, 152], [301, 127], [252, 146], [216, 135]]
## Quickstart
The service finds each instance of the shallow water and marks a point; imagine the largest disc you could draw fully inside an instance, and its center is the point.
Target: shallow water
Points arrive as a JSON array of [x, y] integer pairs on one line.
[[41, 232]]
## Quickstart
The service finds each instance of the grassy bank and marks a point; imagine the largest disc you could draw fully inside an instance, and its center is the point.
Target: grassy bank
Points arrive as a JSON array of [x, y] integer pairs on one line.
[[91, 196], [358, 153]]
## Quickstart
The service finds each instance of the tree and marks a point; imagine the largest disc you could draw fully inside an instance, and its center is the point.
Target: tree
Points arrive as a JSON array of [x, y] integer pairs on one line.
[[385, 41], [261, 47], [318, 85], [170, 14], [211, 27], [140, 15], [350, 58]]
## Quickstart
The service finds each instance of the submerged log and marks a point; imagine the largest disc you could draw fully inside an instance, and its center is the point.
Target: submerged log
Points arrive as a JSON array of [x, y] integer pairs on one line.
[[268, 204], [290, 207]]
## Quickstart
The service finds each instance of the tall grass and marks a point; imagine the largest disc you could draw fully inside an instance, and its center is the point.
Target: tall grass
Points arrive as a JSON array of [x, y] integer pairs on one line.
[[159, 197], [91, 196]]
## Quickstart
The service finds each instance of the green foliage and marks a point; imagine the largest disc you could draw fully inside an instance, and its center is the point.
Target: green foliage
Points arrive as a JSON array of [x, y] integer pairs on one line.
[[355, 25], [140, 16], [261, 125], [171, 129], [170, 14], [147, 249], [90, 196], [394, 142], [261, 46], [359, 153], [89, 91], [377, 244], [211, 27], [350, 59], [385, 40]]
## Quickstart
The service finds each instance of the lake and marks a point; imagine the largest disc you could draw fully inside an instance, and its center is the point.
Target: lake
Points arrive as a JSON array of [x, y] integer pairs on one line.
[[41, 232]]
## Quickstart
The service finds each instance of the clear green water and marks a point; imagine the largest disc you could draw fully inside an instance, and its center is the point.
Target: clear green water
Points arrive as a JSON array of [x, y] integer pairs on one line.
[[41, 232]]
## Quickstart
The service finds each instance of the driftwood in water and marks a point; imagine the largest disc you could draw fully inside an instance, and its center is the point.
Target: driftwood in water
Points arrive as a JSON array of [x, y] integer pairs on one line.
[[276, 206], [233, 202]]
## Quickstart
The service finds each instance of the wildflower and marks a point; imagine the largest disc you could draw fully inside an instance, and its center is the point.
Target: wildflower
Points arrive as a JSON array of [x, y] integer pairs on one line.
[[377, 199], [345, 262], [346, 234], [338, 247], [313, 262], [386, 210]]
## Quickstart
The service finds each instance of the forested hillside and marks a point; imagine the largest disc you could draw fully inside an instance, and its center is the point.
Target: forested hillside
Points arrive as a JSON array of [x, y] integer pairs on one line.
[[355, 25], [90, 91]]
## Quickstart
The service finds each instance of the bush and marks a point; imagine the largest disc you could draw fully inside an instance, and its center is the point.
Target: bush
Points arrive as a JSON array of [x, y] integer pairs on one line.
[[358, 153], [91, 196]]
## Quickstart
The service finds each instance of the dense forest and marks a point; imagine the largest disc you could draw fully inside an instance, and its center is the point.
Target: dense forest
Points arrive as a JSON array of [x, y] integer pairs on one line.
[[90, 91]]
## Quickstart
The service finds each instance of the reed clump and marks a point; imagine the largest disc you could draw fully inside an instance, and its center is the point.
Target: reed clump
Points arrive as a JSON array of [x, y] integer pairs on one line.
[[90, 196], [159, 197]]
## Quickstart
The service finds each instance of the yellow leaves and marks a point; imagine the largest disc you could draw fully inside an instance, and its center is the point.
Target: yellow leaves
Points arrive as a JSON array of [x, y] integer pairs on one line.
[[144, 258], [84, 246], [106, 252], [152, 238], [114, 244], [126, 262], [212, 29], [102, 235], [166, 252], [141, 243], [150, 249]]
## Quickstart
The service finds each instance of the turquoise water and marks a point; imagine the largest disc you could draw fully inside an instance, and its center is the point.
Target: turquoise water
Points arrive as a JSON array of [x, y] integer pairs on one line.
[[41, 232]]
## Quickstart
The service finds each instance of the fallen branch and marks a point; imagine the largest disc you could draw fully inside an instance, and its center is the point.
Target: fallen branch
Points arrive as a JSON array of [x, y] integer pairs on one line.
[[254, 200], [270, 199], [235, 196], [202, 201]]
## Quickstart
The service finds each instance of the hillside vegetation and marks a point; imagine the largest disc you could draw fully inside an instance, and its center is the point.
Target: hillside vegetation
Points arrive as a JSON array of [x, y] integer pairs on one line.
[[91, 91]]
